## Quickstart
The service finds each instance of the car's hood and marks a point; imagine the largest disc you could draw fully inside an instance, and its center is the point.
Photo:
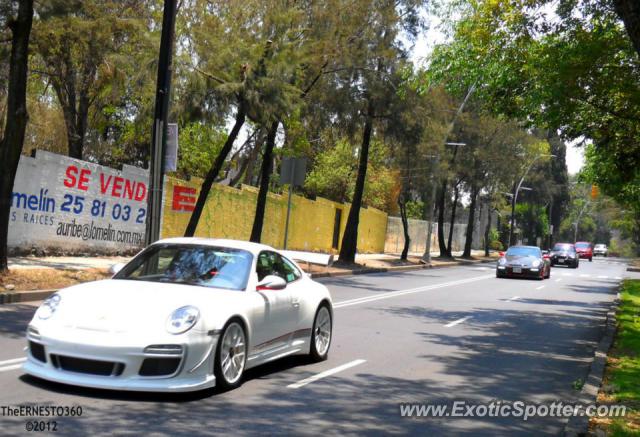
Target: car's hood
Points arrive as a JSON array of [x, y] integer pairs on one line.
[[123, 305], [520, 260]]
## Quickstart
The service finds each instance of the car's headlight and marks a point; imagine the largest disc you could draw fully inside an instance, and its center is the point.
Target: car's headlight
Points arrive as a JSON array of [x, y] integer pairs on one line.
[[535, 263], [502, 261], [182, 319], [48, 307]]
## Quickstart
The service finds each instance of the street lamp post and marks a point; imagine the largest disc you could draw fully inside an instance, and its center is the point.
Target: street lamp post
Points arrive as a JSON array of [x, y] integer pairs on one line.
[[517, 188]]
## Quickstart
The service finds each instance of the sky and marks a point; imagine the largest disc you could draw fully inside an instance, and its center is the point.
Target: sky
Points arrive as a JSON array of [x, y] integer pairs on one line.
[[433, 35]]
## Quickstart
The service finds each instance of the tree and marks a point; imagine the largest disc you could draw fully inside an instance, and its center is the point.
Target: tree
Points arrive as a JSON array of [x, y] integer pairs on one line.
[[629, 12], [374, 80], [80, 46], [16, 121], [578, 75]]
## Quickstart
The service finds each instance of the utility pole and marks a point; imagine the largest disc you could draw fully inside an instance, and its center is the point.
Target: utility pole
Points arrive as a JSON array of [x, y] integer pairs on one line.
[[159, 137]]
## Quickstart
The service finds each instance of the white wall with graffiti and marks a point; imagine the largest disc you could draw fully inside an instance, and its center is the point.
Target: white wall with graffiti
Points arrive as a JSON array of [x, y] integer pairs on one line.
[[64, 205]]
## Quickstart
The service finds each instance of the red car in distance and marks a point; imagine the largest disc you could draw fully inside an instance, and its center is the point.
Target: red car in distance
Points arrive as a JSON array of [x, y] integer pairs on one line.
[[584, 250]]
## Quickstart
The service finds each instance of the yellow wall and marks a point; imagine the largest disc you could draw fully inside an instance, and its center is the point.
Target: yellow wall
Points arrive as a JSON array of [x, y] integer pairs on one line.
[[229, 213]]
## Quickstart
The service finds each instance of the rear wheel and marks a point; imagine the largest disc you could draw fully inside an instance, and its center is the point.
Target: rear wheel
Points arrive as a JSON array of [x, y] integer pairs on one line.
[[591, 259], [321, 334], [231, 356]]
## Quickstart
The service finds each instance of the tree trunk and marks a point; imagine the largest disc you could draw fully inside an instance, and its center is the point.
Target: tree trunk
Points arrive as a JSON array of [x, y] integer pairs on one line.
[[405, 226], [629, 12], [456, 194], [265, 176], [215, 169], [17, 117], [472, 217], [442, 245], [487, 231], [350, 237]]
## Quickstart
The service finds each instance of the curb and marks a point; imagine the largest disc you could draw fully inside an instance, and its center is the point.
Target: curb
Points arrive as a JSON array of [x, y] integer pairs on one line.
[[29, 296], [24, 296], [579, 425], [633, 269], [395, 269]]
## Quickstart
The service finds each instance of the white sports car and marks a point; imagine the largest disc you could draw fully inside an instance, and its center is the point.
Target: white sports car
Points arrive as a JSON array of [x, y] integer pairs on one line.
[[185, 314]]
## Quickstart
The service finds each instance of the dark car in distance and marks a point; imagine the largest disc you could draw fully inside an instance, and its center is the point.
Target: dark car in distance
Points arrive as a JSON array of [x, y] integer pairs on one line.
[[523, 262], [585, 250], [564, 254]]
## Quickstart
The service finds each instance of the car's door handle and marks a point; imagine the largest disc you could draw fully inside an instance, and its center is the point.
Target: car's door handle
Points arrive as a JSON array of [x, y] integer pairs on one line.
[[295, 302]]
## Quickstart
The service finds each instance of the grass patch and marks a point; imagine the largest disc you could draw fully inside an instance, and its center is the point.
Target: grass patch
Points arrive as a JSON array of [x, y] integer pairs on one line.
[[621, 383]]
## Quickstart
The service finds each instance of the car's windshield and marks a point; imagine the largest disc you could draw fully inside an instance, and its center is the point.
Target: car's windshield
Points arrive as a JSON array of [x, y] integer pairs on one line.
[[582, 245], [207, 266], [600, 246], [523, 251], [563, 247]]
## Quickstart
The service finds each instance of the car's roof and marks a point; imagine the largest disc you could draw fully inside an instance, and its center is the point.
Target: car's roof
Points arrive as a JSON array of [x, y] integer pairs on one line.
[[220, 242], [525, 247], [560, 242], [583, 242]]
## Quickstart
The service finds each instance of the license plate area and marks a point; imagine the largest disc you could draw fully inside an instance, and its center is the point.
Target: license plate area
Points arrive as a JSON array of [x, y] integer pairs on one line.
[[517, 269]]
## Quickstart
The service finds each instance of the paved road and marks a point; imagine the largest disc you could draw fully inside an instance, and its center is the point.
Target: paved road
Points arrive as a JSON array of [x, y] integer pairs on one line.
[[426, 336]]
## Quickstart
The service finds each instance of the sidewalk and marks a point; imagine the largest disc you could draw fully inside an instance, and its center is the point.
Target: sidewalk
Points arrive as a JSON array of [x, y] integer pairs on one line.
[[34, 277]]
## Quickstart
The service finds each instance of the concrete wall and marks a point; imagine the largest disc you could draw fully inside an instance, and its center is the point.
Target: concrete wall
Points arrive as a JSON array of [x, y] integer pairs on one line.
[[229, 213], [60, 204], [394, 239]]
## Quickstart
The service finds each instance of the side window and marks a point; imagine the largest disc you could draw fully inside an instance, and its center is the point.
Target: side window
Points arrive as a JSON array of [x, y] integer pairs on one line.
[[265, 265], [291, 272]]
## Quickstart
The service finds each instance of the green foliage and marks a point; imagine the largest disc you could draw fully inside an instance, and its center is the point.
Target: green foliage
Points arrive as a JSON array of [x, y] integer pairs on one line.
[[415, 209], [333, 175], [198, 146], [533, 221]]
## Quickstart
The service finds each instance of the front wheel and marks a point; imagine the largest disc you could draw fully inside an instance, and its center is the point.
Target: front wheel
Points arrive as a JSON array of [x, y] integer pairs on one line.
[[321, 334], [231, 356]]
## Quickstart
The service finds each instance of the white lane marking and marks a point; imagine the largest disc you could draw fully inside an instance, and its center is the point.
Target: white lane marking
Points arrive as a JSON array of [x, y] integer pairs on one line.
[[567, 274], [13, 361], [513, 298], [584, 276], [391, 294], [457, 322], [540, 287], [326, 373], [618, 278], [603, 277], [7, 368], [558, 280]]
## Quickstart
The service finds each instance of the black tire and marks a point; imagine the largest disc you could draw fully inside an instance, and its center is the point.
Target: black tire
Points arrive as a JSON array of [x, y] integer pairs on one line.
[[313, 350], [221, 380], [591, 259]]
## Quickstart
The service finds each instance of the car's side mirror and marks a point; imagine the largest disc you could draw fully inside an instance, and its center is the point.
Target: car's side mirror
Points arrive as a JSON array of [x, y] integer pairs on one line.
[[271, 282], [116, 268], [500, 254]]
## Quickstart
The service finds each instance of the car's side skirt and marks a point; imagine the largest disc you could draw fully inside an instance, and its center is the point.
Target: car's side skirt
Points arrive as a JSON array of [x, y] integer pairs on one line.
[[296, 342]]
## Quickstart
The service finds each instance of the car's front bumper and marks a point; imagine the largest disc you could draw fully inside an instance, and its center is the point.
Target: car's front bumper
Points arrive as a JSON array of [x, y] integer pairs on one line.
[[563, 261], [525, 272], [194, 371]]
